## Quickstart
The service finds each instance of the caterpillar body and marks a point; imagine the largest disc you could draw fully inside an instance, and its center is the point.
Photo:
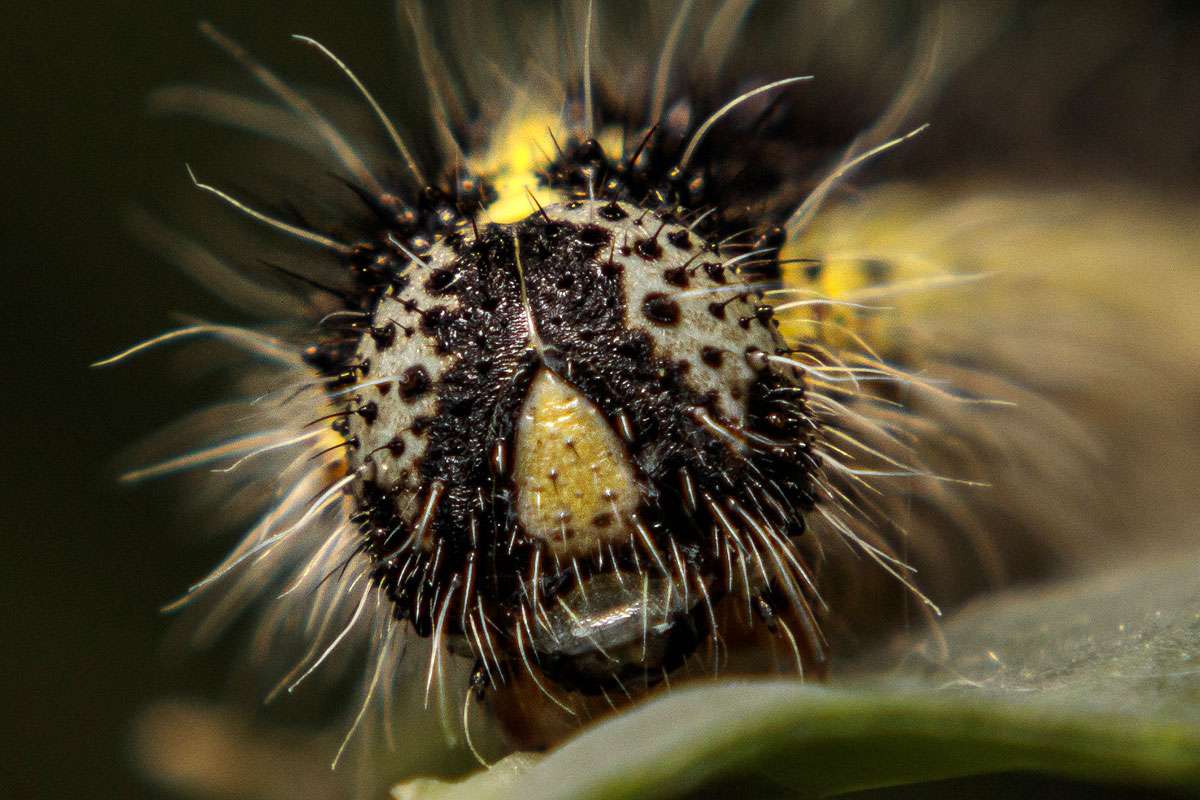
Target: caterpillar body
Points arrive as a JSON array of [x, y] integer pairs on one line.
[[593, 400]]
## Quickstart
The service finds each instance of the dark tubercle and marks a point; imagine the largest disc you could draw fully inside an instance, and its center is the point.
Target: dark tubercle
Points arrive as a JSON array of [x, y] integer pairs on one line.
[[661, 309]]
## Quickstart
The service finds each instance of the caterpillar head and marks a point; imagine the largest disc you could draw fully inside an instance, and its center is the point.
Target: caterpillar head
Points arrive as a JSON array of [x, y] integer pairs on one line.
[[571, 440]]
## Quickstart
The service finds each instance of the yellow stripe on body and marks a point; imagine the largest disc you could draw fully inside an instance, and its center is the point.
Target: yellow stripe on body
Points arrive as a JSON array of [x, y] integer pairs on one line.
[[861, 277]]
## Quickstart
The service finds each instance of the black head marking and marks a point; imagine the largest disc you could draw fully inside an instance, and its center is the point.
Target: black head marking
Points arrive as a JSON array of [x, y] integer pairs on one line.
[[661, 309]]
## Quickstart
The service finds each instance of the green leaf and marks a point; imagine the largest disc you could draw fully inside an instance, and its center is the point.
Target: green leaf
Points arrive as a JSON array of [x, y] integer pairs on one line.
[[1098, 679]]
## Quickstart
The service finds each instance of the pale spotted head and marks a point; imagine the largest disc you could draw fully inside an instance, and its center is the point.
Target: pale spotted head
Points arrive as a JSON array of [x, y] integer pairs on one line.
[[570, 425]]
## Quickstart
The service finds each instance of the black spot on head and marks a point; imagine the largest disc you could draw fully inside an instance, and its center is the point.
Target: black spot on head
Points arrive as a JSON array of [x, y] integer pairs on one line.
[[369, 412], [415, 383], [433, 319], [613, 212], [594, 236], [660, 309], [812, 271], [717, 310], [440, 280], [676, 276], [715, 272], [396, 446], [649, 249], [611, 269], [712, 357], [602, 520], [384, 335], [680, 239]]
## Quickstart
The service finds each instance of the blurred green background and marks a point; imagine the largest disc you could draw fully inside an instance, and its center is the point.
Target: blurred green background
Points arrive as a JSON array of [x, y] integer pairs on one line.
[[85, 563]]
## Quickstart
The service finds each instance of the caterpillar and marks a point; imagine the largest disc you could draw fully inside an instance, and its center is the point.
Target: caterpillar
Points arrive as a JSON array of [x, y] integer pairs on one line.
[[583, 389]]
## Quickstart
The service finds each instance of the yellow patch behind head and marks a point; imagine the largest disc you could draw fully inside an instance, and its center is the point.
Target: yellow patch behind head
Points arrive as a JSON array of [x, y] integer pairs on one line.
[[523, 147], [861, 283]]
